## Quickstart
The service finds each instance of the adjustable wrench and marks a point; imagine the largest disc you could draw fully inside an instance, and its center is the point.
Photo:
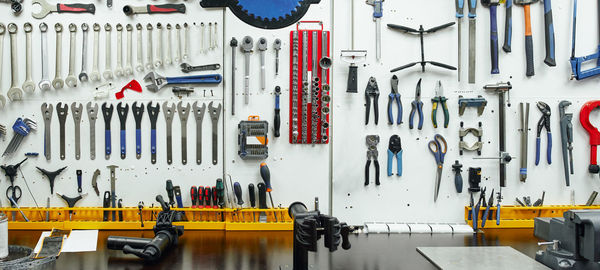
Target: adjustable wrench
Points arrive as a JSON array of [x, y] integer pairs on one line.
[[28, 85], [187, 68], [44, 84], [168, 111], [199, 116], [58, 82], [107, 112], [107, 74], [214, 113], [159, 48], [2, 31], [47, 114], [138, 112], [156, 81], [183, 112], [129, 64], [169, 59], [122, 111], [262, 48], [153, 114], [149, 62], [83, 77], [71, 80], [95, 75], [119, 68], [14, 93], [62, 112], [178, 49], [92, 112], [77, 110], [46, 8], [247, 44]]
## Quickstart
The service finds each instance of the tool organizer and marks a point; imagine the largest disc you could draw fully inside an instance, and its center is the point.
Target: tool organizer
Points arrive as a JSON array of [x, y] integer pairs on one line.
[[306, 87], [513, 217]]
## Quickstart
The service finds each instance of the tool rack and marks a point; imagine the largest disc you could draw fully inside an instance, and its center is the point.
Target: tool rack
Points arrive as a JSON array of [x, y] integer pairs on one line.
[[513, 217]]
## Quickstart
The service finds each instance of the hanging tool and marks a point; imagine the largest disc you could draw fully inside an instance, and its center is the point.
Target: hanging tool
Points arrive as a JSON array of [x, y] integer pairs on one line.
[[394, 97], [154, 9], [479, 102], [237, 189], [11, 170], [153, 114], [95, 182], [194, 196], [113, 195], [417, 106], [566, 138], [252, 197], [47, 110], [105, 204], [170, 192], [79, 174], [507, 47], [439, 100], [156, 81], [528, 34], [233, 44], [107, 112], [51, 176], [438, 148], [372, 153], [577, 62], [47, 8], [421, 32], [463, 132], [486, 213], [501, 89], [377, 14], [277, 120], [62, 112], [544, 122], [262, 201], [71, 202], [498, 200], [584, 119], [13, 192], [353, 57], [549, 34], [475, 210], [458, 180], [178, 199], [122, 111], [138, 112], [472, 38], [140, 208], [394, 150], [524, 139], [22, 127], [277, 48], [266, 177], [493, 6], [460, 5], [132, 85], [372, 92], [220, 193]]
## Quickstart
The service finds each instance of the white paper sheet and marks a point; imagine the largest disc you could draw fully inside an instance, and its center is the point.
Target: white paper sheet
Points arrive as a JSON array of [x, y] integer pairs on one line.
[[78, 241]]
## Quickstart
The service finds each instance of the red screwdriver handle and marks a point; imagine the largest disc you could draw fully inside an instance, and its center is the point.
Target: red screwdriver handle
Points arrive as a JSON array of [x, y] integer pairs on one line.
[[214, 197], [200, 197], [194, 195], [76, 8], [207, 197], [166, 8]]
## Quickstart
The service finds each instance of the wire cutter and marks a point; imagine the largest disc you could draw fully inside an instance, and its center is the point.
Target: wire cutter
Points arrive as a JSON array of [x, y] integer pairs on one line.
[[436, 101], [394, 150], [439, 152], [543, 122], [394, 97], [417, 106], [372, 91], [486, 213]]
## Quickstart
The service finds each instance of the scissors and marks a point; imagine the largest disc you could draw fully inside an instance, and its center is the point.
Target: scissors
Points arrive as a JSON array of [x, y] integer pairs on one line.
[[13, 194], [435, 147]]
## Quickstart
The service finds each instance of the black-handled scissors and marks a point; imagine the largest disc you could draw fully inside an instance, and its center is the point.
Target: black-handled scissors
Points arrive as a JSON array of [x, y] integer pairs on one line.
[[14, 193]]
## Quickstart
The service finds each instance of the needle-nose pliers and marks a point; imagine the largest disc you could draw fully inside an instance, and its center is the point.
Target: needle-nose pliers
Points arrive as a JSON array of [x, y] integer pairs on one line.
[[417, 106], [544, 122], [394, 97]]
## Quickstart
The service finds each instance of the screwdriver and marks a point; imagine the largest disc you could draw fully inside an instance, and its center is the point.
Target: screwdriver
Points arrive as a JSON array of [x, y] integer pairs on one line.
[[252, 195], [237, 189], [206, 197], [194, 196], [266, 176], [262, 201], [170, 193], [215, 200], [200, 199], [220, 193]]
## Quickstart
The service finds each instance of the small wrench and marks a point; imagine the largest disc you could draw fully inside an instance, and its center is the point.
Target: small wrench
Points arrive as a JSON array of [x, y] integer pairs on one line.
[[71, 80], [153, 114], [77, 111], [28, 85], [138, 112], [47, 114], [277, 48], [62, 112], [107, 74], [178, 49], [2, 31], [168, 112], [149, 62], [169, 59], [107, 112], [159, 55], [92, 112], [186, 42], [83, 77], [140, 55], [129, 64], [214, 113], [119, 68], [186, 68], [95, 75], [122, 111], [44, 84], [14, 93], [58, 82]]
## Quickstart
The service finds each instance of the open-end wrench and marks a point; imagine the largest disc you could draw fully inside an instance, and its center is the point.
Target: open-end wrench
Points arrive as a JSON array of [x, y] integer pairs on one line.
[[199, 116], [154, 9], [186, 42], [153, 114], [119, 68], [14, 93], [214, 113], [129, 59], [159, 48], [178, 48], [83, 77], [2, 31], [92, 112], [95, 75], [138, 112], [71, 80], [169, 59], [183, 112], [47, 114], [62, 112], [247, 44], [107, 74], [107, 112], [44, 84], [58, 82], [149, 52], [140, 54], [169, 111], [187, 68], [47, 8], [28, 85], [77, 111], [122, 111], [262, 48]]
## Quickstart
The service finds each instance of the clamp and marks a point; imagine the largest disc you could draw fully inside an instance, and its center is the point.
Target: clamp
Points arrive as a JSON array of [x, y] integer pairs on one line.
[[372, 91], [543, 122], [372, 153], [584, 119]]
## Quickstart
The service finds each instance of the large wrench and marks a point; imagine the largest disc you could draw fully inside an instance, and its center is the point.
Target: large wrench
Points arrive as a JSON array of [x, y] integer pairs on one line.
[[140, 54], [2, 31], [169, 59], [95, 75], [149, 62], [14, 93], [92, 112], [129, 64], [153, 114], [168, 111], [107, 74], [28, 85], [214, 113], [71, 80], [199, 116], [44, 84], [122, 111], [138, 112], [107, 112], [119, 68], [62, 112], [262, 47], [184, 112], [47, 114], [159, 55], [77, 110], [58, 82], [247, 44], [83, 77]]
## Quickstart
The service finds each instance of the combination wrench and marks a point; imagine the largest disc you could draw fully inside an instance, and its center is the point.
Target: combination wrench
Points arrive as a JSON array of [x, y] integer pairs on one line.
[[168, 112], [169, 59], [92, 112], [28, 85], [149, 62], [71, 80], [122, 111], [247, 44], [186, 42], [138, 112], [107, 74], [129, 59], [262, 48], [47, 110], [44, 84], [62, 112], [83, 77], [153, 114], [214, 113], [199, 116], [184, 112], [95, 75], [14, 93], [107, 112], [119, 68], [178, 48], [140, 55], [58, 82], [2, 31], [77, 111], [159, 48]]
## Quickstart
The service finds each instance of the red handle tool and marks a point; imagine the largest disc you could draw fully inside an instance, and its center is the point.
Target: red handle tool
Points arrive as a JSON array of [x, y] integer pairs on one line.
[[584, 118]]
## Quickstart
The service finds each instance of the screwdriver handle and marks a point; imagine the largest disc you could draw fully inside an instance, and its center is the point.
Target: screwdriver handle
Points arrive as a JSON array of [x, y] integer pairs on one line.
[[169, 189], [200, 198], [207, 197], [266, 176], [262, 196], [252, 195], [194, 195], [214, 197], [237, 189]]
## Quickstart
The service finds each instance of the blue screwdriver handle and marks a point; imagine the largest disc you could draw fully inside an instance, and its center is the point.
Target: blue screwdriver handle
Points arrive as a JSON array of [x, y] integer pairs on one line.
[[508, 28], [549, 150], [494, 38], [537, 151]]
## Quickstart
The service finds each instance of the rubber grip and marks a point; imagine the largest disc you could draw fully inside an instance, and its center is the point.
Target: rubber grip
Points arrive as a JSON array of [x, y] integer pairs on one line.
[[549, 150], [153, 141], [549, 30], [508, 28], [434, 112], [446, 113], [166, 8], [498, 214], [399, 165], [262, 196], [252, 195], [420, 109], [367, 108], [399, 120], [138, 141], [458, 182], [352, 85], [537, 151], [485, 216], [390, 162], [197, 79], [494, 38], [412, 115], [376, 109], [107, 143], [76, 8], [389, 109], [376, 172], [123, 146], [367, 172], [528, 43], [277, 123]]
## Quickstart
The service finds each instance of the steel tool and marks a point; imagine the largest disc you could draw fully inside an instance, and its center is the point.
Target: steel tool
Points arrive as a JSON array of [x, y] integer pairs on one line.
[[472, 38], [187, 68], [122, 112], [417, 106], [92, 112], [475, 210], [83, 76], [460, 5], [438, 148], [184, 112], [528, 34], [168, 112], [439, 100], [578, 62], [493, 6], [261, 45], [47, 110], [14, 93], [95, 181], [524, 139], [265, 174], [277, 118], [153, 114], [394, 97], [62, 112], [544, 122], [51, 176], [372, 153], [22, 128], [47, 8], [198, 116], [566, 138], [502, 89], [44, 83], [463, 132], [214, 113], [377, 14], [394, 150], [77, 111], [247, 45], [154, 9], [28, 85], [372, 92], [107, 112], [277, 48], [113, 195], [233, 43], [479, 102], [157, 81], [138, 112]]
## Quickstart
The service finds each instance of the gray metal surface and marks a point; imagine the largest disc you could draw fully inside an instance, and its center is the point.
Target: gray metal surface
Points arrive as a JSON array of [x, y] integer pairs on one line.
[[503, 257]]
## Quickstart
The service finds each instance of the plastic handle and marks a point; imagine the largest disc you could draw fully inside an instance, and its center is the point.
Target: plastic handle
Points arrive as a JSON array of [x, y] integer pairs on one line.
[[508, 27], [197, 79], [389, 109], [107, 143], [123, 146], [352, 85], [166, 8], [537, 151], [420, 109], [472, 9], [399, 165], [266, 176], [399, 120], [498, 214], [485, 216], [262, 196], [446, 113], [390, 162], [460, 5], [494, 38], [76, 8], [412, 115], [367, 165], [153, 141], [458, 182], [237, 189], [138, 141], [434, 112], [252, 195], [549, 30], [549, 149], [79, 174], [376, 172], [528, 42]]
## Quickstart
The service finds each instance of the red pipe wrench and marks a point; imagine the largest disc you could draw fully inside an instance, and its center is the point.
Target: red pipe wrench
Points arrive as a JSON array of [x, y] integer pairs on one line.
[[584, 118]]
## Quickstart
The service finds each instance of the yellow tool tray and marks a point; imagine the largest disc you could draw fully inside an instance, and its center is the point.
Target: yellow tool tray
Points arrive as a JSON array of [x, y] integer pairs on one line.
[[512, 216], [88, 218]]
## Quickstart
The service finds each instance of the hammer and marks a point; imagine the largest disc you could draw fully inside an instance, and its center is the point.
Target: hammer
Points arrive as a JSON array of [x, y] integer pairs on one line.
[[493, 6], [528, 34]]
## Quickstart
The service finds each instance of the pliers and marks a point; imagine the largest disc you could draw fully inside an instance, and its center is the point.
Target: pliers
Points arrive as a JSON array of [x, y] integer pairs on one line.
[[372, 153], [394, 150], [543, 122], [475, 209], [438, 99], [486, 213], [417, 105], [394, 97], [372, 91]]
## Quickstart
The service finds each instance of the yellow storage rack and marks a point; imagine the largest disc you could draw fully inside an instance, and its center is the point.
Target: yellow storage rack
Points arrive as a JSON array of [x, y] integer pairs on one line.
[[227, 219], [512, 216]]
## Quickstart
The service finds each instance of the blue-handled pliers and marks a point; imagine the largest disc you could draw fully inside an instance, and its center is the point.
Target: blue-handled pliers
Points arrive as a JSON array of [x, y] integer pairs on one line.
[[394, 150], [486, 213], [544, 122], [417, 106], [394, 97]]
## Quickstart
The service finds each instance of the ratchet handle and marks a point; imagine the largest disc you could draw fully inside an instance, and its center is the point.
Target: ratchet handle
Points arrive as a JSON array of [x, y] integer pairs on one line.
[[494, 38], [166, 8], [196, 79], [76, 8]]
